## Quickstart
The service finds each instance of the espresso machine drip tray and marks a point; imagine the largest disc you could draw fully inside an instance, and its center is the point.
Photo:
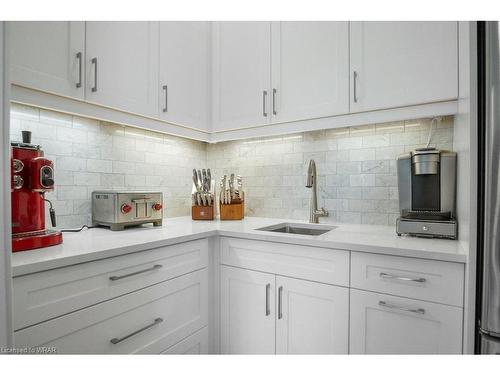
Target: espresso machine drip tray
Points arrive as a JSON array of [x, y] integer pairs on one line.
[[427, 215], [427, 228], [34, 240]]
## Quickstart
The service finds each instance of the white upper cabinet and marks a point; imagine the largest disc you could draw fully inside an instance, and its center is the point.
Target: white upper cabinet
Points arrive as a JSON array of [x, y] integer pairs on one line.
[[217, 81], [122, 65], [397, 64], [241, 74], [247, 312], [310, 70], [48, 56], [184, 73], [312, 318]]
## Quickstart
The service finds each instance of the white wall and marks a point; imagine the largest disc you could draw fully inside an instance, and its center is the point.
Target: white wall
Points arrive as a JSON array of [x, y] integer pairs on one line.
[[357, 180], [5, 251], [356, 165], [465, 143], [94, 155]]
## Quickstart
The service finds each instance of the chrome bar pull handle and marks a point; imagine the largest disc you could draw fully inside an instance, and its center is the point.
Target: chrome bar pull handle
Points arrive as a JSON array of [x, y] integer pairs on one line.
[[79, 58], [355, 86], [274, 102], [384, 275], [165, 88], [280, 302], [155, 267], [391, 306], [268, 304], [94, 61], [118, 340], [264, 97]]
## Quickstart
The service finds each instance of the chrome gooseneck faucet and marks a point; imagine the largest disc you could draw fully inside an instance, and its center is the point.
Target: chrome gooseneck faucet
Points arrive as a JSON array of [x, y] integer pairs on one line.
[[314, 213]]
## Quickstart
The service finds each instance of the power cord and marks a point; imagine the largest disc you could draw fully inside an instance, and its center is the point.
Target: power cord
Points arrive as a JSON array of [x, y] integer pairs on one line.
[[78, 229], [434, 120]]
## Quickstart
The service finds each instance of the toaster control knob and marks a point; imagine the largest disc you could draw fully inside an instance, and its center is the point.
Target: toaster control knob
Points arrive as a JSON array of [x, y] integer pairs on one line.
[[126, 208], [157, 206], [425, 228]]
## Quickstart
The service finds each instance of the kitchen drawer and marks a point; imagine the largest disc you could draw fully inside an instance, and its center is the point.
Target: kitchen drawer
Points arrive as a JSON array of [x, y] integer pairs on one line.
[[46, 295], [146, 321], [197, 343], [311, 263], [429, 280], [384, 324]]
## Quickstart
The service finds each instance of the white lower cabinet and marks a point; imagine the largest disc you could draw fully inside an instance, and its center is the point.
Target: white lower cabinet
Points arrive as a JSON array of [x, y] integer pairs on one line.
[[247, 312], [312, 318], [266, 314], [45, 295], [274, 299], [384, 324], [146, 321], [197, 343]]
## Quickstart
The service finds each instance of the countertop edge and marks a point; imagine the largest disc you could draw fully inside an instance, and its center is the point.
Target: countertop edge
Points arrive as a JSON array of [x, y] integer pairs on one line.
[[361, 248], [26, 269]]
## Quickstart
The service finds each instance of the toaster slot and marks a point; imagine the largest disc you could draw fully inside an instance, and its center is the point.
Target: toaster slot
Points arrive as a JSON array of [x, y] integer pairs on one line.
[[142, 207]]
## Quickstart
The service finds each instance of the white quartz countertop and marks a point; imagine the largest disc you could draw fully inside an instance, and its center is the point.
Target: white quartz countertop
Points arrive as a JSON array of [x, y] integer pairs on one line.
[[99, 243]]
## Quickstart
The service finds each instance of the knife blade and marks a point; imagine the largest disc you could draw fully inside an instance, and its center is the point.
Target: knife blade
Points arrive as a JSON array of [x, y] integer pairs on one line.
[[239, 186], [221, 186], [196, 185], [224, 182], [231, 186], [204, 181], [195, 177]]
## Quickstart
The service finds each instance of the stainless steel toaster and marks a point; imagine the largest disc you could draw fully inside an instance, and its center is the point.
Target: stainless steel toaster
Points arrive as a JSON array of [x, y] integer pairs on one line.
[[120, 209]]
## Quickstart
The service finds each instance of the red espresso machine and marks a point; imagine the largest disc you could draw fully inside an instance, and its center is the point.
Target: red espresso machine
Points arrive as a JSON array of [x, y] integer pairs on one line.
[[32, 176]]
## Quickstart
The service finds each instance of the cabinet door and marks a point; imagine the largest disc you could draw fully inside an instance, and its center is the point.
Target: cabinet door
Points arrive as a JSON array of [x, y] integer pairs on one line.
[[247, 311], [383, 324], [125, 57], [402, 63], [241, 74], [184, 73], [312, 318], [48, 56], [310, 70]]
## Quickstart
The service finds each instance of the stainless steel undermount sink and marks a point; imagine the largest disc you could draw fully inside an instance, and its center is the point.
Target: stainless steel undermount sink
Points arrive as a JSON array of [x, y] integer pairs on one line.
[[297, 228]]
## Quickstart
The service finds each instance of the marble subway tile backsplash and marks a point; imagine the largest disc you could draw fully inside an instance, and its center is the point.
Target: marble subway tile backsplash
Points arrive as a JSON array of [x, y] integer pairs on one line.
[[356, 166], [356, 169], [90, 155]]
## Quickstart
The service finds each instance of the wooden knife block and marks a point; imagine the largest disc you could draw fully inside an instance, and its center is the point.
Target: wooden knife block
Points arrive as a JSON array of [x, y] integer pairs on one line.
[[202, 212], [233, 211]]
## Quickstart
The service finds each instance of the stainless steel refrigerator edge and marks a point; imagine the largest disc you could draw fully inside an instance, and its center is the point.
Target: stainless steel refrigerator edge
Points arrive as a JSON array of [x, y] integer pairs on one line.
[[489, 323]]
